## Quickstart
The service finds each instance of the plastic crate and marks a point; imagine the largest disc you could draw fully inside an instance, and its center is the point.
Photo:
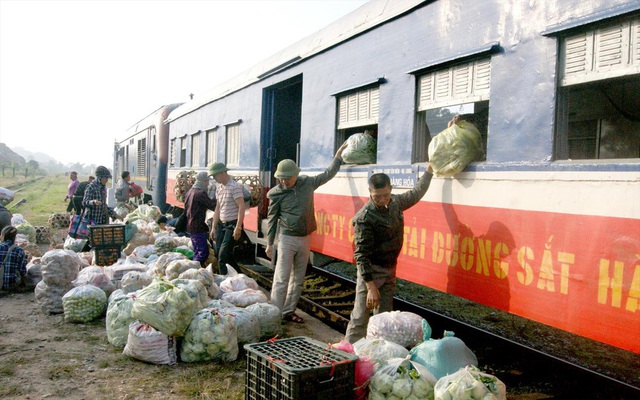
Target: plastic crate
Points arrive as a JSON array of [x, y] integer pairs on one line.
[[298, 368], [106, 255], [106, 235]]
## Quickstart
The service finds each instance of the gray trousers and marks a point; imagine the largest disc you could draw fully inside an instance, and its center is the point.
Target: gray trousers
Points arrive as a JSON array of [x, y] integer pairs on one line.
[[385, 280], [291, 267]]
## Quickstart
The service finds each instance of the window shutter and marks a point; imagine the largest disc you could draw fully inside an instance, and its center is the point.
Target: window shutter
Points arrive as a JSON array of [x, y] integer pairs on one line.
[[359, 109], [233, 145], [142, 156], [603, 53], [463, 83]]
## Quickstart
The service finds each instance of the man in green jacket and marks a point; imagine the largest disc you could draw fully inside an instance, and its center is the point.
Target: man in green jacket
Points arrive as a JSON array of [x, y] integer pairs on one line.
[[378, 240], [291, 205]]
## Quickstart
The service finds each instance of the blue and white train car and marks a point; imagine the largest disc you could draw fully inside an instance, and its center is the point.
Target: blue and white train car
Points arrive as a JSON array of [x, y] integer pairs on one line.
[[546, 226]]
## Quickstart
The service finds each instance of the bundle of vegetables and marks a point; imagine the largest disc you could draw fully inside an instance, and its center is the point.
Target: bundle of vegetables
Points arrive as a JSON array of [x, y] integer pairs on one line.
[[218, 303], [165, 307], [245, 297], [195, 289], [164, 244], [184, 181], [248, 327], [135, 280], [177, 267], [269, 317], [163, 261], [84, 303], [443, 356], [118, 319], [75, 245], [470, 383], [60, 267], [147, 344], [365, 369], [49, 297], [455, 147], [212, 335], [402, 379], [379, 350], [148, 213], [361, 149], [205, 277], [95, 275], [402, 327], [27, 229]]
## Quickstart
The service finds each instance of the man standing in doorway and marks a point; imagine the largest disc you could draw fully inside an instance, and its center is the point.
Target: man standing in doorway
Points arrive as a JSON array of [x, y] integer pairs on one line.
[[196, 204], [291, 206], [228, 216], [378, 240]]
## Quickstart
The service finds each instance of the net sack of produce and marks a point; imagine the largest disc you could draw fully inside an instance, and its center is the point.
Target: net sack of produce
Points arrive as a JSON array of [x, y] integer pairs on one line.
[[147, 344], [402, 327], [206, 278], [84, 304], [361, 149], [195, 289], [6, 196], [443, 356], [379, 350], [176, 267], [235, 282], [365, 369], [472, 384], [245, 297], [75, 245], [218, 303], [117, 271], [269, 317], [118, 320], [135, 280], [96, 276], [183, 241], [121, 211], [455, 147], [42, 234], [142, 253], [164, 244], [164, 306], [115, 295], [26, 228], [247, 325], [163, 261], [59, 220], [400, 379], [34, 274], [49, 298], [212, 335], [60, 267]]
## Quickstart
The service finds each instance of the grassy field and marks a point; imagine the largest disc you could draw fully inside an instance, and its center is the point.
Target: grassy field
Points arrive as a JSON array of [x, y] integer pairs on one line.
[[37, 198]]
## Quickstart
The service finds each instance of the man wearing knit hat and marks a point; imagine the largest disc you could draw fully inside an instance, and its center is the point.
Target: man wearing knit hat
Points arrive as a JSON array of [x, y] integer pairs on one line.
[[196, 204], [95, 198], [291, 207]]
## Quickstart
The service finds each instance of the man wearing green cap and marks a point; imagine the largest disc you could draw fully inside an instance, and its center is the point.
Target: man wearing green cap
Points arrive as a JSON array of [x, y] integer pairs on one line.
[[227, 217], [291, 206]]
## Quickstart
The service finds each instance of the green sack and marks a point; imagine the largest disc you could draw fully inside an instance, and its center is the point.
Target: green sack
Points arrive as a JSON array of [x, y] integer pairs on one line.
[[455, 147]]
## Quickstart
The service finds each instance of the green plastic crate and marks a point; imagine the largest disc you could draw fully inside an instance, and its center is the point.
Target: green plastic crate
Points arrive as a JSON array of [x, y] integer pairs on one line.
[[298, 368]]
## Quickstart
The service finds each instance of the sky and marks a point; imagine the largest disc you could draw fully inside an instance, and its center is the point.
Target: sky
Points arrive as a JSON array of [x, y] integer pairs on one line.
[[75, 75]]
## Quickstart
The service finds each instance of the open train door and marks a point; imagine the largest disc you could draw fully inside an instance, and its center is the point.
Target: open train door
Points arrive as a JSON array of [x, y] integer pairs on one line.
[[280, 135]]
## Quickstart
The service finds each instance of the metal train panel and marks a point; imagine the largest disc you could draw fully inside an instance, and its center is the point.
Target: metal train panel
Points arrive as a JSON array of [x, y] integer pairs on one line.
[[546, 226]]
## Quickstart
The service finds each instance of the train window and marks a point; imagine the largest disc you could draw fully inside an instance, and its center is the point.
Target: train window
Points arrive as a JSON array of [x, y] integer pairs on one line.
[[195, 149], [172, 153], [142, 156], [233, 144], [358, 113], [457, 89], [212, 146], [183, 151], [599, 93]]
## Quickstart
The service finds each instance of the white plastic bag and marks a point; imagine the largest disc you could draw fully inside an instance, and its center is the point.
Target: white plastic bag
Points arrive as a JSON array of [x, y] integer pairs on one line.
[[401, 379], [118, 320], [269, 318], [379, 350], [212, 335], [84, 303], [402, 327], [247, 324], [244, 298], [472, 384], [147, 344]]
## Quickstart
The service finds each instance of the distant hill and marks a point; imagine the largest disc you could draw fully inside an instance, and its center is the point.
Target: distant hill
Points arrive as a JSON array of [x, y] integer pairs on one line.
[[9, 156], [41, 158]]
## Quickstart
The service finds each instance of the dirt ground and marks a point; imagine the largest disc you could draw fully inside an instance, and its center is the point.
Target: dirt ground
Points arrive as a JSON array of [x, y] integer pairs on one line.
[[44, 357]]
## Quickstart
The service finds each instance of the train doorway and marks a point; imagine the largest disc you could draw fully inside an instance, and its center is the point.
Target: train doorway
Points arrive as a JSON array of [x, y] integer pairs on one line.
[[281, 124]]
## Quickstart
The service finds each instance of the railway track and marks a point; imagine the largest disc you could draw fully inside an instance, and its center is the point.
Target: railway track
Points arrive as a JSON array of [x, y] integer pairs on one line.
[[526, 371]]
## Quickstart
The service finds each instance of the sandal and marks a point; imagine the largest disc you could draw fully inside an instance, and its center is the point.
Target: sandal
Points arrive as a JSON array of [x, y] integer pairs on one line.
[[294, 318]]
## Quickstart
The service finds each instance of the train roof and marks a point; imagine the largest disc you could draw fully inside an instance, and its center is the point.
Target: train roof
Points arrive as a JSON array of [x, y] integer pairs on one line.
[[366, 17], [134, 128]]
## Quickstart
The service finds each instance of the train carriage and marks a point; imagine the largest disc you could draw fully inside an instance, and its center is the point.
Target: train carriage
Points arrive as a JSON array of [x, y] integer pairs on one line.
[[545, 226], [143, 151]]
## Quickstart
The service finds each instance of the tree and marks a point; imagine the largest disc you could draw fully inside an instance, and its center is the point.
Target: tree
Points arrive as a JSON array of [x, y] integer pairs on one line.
[[33, 164]]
